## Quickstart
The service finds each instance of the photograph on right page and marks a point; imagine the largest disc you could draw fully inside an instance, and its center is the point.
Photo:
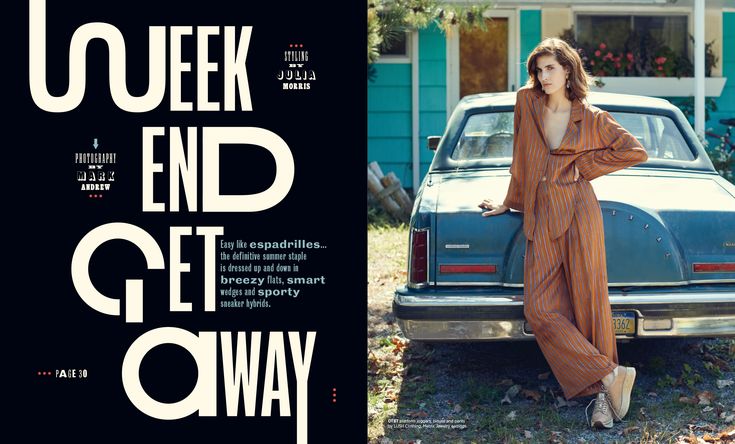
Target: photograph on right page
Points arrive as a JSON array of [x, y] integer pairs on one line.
[[551, 221]]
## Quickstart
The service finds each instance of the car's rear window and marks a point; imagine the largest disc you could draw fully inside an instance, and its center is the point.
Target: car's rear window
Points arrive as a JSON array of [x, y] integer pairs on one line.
[[490, 136]]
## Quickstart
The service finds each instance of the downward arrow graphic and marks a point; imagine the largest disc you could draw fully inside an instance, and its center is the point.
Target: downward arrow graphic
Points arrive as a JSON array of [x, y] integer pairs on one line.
[[95, 145]]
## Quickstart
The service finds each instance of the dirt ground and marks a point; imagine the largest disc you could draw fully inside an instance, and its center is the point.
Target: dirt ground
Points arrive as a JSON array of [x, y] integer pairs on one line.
[[505, 392]]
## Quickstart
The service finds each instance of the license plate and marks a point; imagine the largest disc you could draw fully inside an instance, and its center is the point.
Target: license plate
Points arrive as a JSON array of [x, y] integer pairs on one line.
[[624, 322]]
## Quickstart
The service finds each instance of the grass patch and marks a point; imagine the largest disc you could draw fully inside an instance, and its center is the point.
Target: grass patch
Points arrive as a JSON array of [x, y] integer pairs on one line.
[[656, 365], [481, 393], [416, 393]]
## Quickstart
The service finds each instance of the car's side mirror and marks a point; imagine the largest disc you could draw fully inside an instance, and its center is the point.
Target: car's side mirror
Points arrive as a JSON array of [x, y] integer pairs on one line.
[[433, 142]]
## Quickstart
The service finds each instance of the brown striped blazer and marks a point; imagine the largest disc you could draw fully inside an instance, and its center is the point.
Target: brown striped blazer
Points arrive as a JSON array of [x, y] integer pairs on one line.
[[593, 141]]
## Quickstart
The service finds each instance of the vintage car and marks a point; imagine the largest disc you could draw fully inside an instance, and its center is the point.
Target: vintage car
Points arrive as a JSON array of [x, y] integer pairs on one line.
[[669, 231]]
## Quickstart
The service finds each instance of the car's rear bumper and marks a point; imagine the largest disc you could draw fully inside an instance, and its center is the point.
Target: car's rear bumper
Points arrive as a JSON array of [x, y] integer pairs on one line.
[[470, 316]]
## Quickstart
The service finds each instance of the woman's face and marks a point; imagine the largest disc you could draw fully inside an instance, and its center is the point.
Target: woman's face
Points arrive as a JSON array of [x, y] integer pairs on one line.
[[550, 74]]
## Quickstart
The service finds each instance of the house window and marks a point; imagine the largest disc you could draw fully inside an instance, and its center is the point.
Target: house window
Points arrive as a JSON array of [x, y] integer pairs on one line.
[[658, 44], [397, 49], [618, 30]]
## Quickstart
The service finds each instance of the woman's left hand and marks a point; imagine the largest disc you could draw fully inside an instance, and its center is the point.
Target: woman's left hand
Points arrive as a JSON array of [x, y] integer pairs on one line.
[[576, 173]]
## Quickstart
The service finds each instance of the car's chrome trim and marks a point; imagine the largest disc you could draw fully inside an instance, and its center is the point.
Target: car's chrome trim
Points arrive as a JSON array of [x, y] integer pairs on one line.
[[611, 284], [510, 300], [449, 246], [714, 281], [494, 330]]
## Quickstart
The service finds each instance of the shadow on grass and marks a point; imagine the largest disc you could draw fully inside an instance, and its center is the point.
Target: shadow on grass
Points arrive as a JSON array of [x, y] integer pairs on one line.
[[452, 393]]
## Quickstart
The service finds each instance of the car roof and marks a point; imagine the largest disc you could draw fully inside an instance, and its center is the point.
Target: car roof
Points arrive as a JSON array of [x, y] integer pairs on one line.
[[596, 98]]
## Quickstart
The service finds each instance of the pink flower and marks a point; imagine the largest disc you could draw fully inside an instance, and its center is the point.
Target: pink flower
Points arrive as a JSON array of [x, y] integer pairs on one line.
[[603, 46], [609, 55], [660, 68], [592, 62], [630, 56], [660, 60], [597, 53], [617, 65], [617, 59]]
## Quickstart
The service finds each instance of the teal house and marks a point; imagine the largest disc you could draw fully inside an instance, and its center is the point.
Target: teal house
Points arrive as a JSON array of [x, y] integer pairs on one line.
[[414, 88]]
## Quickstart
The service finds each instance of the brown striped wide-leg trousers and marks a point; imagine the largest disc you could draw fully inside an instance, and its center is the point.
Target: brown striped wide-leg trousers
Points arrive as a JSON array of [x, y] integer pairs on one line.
[[565, 296]]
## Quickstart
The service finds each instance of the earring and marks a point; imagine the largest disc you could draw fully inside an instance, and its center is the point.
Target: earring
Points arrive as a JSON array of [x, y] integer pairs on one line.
[[568, 85]]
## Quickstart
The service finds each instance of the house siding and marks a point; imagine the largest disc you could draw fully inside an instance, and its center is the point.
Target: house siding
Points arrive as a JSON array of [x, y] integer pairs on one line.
[[726, 101], [530, 37], [389, 118]]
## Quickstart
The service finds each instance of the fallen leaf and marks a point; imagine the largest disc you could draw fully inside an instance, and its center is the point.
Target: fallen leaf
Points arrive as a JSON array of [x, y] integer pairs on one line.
[[505, 400], [709, 408], [728, 435], [729, 418], [705, 397], [652, 394], [628, 430], [544, 376], [642, 414], [560, 402], [511, 416], [506, 382], [722, 383], [709, 438], [457, 408], [527, 434], [513, 390], [531, 394], [724, 366], [695, 348], [399, 344], [685, 400]]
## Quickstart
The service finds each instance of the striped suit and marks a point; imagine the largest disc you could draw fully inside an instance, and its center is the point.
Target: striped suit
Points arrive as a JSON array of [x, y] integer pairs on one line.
[[565, 275]]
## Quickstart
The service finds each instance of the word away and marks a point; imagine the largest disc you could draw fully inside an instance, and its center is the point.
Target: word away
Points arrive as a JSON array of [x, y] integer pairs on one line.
[[240, 374]]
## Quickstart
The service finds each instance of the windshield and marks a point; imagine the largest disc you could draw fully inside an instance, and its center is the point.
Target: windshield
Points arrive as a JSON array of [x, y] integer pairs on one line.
[[490, 136]]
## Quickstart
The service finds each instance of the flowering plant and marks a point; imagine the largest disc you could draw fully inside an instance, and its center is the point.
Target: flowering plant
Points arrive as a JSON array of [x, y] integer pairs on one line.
[[664, 63], [641, 55]]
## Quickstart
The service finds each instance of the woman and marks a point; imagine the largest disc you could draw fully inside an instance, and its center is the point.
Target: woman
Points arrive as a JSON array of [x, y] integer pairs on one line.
[[560, 144]]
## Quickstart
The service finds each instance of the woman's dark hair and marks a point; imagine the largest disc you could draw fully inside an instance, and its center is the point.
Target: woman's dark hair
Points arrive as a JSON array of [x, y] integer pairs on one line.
[[569, 59]]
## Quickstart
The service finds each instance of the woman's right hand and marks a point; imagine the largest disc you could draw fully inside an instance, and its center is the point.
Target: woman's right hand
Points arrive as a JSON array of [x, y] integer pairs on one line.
[[493, 208]]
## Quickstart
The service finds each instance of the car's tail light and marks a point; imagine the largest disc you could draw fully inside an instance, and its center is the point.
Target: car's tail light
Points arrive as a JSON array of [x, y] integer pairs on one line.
[[722, 267], [419, 265], [469, 268]]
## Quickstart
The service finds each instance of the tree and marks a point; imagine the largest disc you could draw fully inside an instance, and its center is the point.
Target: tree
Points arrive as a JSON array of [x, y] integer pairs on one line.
[[388, 19]]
